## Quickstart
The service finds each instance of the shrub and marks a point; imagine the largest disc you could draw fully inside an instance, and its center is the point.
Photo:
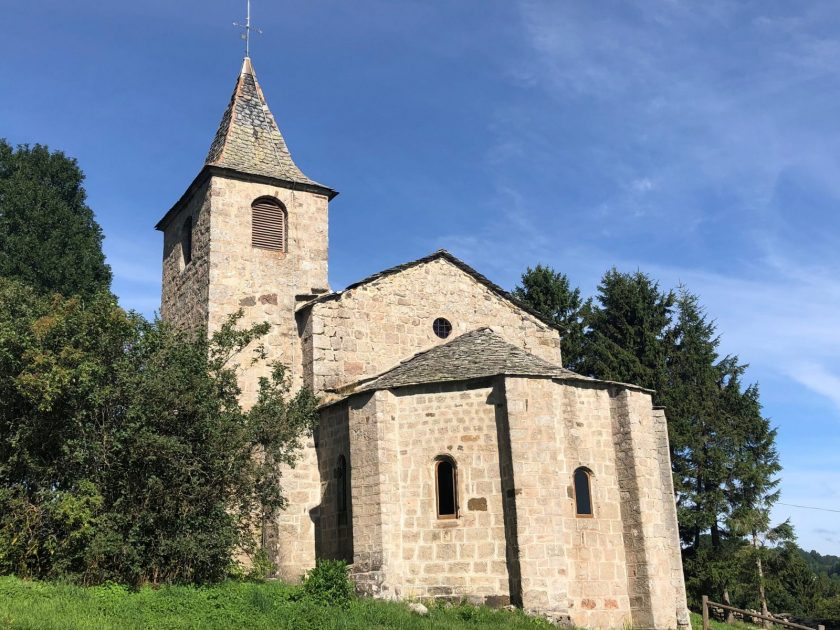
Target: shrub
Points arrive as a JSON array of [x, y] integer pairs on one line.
[[261, 567], [125, 454], [328, 583]]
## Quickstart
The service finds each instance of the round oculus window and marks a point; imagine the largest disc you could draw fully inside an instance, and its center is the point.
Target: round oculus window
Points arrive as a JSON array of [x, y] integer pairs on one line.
[[442, 327]]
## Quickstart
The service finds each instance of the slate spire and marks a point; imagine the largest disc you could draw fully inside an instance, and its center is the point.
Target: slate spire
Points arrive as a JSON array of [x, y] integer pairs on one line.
[[248, 139]]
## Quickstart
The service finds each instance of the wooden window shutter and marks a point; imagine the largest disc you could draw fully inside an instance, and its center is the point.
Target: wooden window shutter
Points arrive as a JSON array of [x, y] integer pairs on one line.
[[268, 225]]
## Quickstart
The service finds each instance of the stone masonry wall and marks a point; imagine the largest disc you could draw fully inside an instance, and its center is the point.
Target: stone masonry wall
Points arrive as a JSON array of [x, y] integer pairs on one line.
[[292, 532], [450, 558], [669, 517], [264, 283], [334, 528], [374, 479], [185, 288], [517, 442], [647, 513], [373, 327], [227, 274], [571, 567]]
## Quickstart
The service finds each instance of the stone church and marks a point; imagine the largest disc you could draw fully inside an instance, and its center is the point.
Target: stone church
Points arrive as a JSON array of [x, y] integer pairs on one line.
[[455, 457]]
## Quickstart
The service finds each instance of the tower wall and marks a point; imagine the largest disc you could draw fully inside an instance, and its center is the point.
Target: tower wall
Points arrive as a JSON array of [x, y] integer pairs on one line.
[[184, 292], [227, 274], [264, 283]]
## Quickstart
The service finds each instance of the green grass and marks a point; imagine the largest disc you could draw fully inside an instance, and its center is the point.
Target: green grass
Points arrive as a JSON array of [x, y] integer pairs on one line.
[[238, 605], [697, 624]]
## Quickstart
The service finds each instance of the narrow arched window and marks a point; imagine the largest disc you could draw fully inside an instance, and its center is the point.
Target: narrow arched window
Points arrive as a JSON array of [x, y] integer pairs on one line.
[[583, 492], [268, 224], [186, 241], [446, 483], [341, 489]]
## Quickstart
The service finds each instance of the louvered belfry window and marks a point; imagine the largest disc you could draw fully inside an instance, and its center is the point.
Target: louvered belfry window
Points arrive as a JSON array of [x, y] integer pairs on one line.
[[268, 225]]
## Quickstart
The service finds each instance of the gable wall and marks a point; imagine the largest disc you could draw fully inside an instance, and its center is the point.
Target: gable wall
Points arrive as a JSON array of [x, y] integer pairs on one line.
[[373, 327]]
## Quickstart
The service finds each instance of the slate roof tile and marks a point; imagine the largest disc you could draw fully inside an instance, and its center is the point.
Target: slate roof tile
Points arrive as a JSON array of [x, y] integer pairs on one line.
[[248, 139], [477, 354]]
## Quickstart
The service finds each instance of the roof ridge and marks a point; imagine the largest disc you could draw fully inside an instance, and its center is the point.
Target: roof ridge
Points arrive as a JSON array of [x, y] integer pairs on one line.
[[449, 256]]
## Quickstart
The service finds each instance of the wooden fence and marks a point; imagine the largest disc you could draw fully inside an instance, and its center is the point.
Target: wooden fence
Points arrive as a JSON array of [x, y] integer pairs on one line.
[[780, 622]]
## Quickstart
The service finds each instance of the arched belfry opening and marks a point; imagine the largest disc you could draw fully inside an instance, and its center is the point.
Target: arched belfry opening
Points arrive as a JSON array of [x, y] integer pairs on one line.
[[269, 225]]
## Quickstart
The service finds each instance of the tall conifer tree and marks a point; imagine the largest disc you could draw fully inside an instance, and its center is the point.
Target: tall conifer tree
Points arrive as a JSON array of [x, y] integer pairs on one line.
[[550, 293], [627, 329]]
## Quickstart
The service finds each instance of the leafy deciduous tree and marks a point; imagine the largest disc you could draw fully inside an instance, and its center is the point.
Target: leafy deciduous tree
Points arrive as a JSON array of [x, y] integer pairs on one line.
[[124, 451]]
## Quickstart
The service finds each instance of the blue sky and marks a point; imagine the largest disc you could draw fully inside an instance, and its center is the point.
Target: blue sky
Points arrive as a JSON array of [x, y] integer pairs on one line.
[[698, 142]]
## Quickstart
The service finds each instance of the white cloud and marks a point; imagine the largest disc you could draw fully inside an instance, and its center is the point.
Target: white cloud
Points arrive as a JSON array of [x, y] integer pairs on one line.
[[642, 185]]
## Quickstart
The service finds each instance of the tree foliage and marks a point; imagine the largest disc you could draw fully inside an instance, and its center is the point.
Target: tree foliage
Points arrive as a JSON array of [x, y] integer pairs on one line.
[[626, 330], [49, 238], [549, 292], [124, 452], [723, 450]]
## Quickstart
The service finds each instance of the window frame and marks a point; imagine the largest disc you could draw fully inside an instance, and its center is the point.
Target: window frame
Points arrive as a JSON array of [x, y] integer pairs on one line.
[[444, 324], [588, 476], [440, 459], [267, 200], [186, 239]]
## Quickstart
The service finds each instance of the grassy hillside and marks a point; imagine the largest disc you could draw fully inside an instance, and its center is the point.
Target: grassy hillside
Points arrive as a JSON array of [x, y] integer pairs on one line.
[[238, 605], [697, 624]]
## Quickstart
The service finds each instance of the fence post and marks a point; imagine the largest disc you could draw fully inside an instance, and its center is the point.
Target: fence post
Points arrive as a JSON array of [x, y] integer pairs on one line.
[[705, 612]]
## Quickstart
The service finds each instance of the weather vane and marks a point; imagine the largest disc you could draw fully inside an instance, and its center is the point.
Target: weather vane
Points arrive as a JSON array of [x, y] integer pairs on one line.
[[246, 28]]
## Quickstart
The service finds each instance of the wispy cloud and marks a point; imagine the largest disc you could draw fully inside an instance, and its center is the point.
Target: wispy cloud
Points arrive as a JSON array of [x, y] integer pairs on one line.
[[699, 143]]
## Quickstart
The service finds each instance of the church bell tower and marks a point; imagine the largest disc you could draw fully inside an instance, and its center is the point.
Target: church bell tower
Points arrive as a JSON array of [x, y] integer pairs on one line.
[[249, 233]]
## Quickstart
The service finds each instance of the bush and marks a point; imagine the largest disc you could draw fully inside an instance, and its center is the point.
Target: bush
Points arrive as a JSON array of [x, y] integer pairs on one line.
[[328, 583], [125, 454], [261, 567]]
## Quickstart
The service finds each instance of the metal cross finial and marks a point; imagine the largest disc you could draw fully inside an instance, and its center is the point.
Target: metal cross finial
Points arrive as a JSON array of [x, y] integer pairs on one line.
[[246, 28]]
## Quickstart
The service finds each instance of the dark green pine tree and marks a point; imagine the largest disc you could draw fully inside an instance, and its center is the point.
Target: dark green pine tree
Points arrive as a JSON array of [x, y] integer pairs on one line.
[[627, 329], [550, 293], [702, 446], [49, 238], [692, 398], [753, 485]]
